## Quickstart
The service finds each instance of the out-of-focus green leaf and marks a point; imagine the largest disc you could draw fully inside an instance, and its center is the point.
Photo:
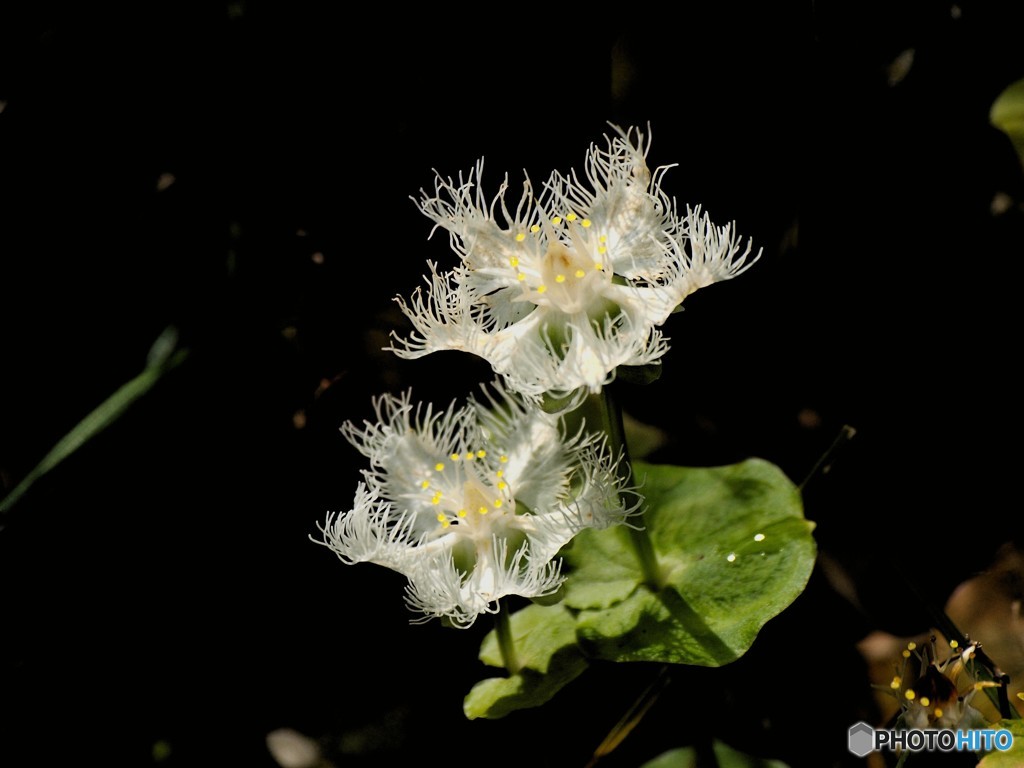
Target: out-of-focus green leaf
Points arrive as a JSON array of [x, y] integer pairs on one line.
[[1007, 114], [726, 757], [1014, 756]]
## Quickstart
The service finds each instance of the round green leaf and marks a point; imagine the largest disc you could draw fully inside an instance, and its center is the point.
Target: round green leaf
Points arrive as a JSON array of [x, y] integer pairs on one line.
[[734, 550], [545, 642]]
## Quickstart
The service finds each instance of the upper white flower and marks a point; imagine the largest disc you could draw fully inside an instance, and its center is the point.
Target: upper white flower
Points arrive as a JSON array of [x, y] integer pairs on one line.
[[473, 503], [572, 284]]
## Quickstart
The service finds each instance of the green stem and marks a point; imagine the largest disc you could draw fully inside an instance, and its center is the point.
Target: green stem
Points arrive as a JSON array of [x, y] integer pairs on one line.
[[611, 421], [503, 628], [647, 557]]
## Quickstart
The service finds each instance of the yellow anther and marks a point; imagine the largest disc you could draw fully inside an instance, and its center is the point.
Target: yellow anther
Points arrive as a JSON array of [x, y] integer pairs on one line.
[[502, 485], [454, 457], [559, 278], [579, 273], [602, 239], [461, 513], [541, 288], [938, 712], [954, 644], [925, 701], [602, 249], [482, 510], [906, 654], [503, 459], [911, 646], [442, 517], [598, 266], [520, 277], [470, 456], [896, 683], [425, 484], [570, 217], [585, 223], [436, 499], [481, 454], [500, 472], [520, 237], [439, 467], [497, 503], [557, 220], [535, 228], [909, 694], [514, 262]]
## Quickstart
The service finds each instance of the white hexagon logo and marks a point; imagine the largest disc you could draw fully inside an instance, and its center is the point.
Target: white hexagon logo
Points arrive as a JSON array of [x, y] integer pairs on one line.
[[861, 739]]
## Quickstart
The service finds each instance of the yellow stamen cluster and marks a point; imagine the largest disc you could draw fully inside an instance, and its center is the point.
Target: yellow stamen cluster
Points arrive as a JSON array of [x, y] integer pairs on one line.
[[936, 685]]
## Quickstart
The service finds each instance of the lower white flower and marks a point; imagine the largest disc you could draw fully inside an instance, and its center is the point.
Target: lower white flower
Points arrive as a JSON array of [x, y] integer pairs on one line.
[[473, 503], [574, 283]]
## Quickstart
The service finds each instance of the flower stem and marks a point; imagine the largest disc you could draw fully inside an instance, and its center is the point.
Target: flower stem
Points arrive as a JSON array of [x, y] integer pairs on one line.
[[503, 628], [611, 417]]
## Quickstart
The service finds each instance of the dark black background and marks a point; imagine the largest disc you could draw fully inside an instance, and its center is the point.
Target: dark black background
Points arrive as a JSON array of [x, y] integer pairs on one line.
[[160, 585]]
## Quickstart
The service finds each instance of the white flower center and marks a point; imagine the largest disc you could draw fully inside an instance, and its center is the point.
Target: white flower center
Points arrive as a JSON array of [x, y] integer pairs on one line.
[[471, 515], [569, 281], [572, 274], [481, 494]]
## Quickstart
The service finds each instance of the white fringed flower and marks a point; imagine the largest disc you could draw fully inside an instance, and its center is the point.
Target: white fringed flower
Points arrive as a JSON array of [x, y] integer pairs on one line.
[[473, 503], [559, 293]]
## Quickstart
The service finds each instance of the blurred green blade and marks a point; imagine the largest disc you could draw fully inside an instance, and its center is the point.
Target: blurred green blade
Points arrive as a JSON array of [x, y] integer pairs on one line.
[[109, 411]]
